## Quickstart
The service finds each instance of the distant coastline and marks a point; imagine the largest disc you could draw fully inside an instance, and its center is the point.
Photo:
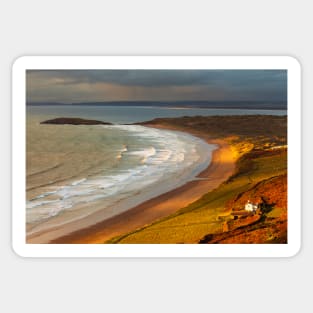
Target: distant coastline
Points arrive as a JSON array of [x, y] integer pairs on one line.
[[246, 105]]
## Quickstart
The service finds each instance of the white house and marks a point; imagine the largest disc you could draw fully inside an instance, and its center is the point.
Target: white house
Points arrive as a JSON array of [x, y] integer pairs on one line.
[[251, 207]]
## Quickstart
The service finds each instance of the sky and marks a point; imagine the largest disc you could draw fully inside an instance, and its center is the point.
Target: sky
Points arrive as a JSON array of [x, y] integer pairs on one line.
[[72, 86]]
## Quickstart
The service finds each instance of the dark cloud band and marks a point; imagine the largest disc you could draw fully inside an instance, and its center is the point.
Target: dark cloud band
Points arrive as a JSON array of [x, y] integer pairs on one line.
[[258, 84]]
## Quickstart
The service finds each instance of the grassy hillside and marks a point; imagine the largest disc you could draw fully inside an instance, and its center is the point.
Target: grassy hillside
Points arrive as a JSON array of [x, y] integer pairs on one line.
[[260, 142]]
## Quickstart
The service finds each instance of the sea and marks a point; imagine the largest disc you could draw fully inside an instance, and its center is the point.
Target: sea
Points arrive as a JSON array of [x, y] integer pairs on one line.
[[74, 171]]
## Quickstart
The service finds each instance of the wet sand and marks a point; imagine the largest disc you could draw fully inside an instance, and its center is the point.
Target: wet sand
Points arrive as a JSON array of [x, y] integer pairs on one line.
[[221, 167]]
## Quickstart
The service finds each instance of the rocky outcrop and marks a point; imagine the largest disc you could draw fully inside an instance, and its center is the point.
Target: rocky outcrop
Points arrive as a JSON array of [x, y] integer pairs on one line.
[[267, 225]]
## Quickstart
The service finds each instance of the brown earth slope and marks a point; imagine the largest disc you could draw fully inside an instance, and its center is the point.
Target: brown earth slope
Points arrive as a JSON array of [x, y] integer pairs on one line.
[[268, 225]]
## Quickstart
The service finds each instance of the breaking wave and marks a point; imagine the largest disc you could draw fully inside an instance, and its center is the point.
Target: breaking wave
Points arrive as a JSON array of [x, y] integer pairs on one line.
[[149, 158]]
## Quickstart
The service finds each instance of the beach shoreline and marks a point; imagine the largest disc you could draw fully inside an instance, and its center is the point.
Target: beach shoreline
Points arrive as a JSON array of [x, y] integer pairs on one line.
[[219, 170], [195, 152]]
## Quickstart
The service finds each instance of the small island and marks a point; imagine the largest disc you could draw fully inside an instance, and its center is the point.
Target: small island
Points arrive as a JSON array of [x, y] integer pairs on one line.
[[74, 121]]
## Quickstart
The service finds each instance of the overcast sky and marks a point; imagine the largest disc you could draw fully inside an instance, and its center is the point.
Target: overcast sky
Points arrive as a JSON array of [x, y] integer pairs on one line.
[[69, 86]]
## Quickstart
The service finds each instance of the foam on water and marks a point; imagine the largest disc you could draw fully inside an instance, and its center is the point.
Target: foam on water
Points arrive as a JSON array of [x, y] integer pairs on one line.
[[158, 157]]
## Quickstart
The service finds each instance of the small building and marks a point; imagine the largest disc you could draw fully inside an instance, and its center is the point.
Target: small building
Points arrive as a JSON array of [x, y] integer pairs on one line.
[[251, 207]]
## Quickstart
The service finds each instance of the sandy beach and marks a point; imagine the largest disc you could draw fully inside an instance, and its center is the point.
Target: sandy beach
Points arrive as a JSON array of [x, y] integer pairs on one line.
[[221, 167]]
